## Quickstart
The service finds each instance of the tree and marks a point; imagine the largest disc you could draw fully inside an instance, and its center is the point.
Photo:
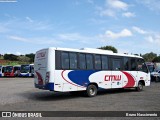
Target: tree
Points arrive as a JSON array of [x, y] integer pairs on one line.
[[156, 59], [31, 56], [109, 48], [23, 59], [148, 57], [10, 57]]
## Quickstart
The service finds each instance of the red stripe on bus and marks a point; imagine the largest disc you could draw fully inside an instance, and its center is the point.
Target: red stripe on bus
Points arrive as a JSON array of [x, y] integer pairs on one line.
[[40, 79], [131, 81]]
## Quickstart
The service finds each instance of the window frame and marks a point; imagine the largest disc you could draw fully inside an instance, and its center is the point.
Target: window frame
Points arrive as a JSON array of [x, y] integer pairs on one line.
[[108, 68], [70, 60], [84, 60], [94, 64], [116, 58], [91, 60]]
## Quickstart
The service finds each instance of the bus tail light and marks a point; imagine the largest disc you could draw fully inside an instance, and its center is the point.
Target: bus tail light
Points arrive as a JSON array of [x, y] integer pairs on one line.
[[47, 77]]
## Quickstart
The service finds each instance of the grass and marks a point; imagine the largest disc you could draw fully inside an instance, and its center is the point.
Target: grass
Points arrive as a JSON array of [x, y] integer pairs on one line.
[[13, 63]]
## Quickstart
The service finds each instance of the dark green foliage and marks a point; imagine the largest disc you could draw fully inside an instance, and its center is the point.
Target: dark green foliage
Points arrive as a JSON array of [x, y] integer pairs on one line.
[[10, 57], [148, 57], [109, 48], [156, 59], [31, 56]]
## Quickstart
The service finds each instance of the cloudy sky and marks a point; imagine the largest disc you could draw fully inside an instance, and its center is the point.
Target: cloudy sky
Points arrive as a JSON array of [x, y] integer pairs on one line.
[[132, 26]]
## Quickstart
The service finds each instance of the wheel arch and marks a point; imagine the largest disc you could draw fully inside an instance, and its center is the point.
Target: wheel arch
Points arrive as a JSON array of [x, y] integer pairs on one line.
[[142, 81], [93, 83]]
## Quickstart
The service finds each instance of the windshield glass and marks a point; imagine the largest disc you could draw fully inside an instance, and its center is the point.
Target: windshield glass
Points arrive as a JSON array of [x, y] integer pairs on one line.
[[151, 68], [9, 69], [25, 68]]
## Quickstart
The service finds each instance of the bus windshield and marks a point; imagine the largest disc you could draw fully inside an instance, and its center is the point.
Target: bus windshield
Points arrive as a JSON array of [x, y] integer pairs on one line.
[[9, 69], [25, 68]]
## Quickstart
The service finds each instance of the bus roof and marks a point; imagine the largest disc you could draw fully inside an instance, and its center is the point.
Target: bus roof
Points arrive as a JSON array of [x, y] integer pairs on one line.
[[92, 50]]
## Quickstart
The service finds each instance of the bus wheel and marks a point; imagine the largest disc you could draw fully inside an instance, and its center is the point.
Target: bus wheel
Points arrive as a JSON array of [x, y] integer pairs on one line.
[[139, 87], [91, 90]]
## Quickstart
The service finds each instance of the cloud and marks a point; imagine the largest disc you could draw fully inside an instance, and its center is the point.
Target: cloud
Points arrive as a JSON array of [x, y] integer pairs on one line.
[[117, 4], [151, 4], [154, 39], [29, 19], [3, 29], [128, 14], [108, 12], [114, 7], [90, 1], [17, 38], [139, 30], [56, 39], [111, 35], [35, 40], [75, 37]]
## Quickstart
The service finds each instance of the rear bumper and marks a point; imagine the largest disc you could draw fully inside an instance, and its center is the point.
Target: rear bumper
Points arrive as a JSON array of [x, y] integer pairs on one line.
[[49, 86]]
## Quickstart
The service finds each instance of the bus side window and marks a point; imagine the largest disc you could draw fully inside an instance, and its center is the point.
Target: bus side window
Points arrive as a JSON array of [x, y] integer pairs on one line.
[[133, 64], [89, 61], [104, 63], [126, 63], [73, 60], [65, 60], [82, 61], [97, 62], [116, 64], [141, 65]]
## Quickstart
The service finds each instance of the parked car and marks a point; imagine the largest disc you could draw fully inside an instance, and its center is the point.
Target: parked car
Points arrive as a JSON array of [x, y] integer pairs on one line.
[[155, 75]]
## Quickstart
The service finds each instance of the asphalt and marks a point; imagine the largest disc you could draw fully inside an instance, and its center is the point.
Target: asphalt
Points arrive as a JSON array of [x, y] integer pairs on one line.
[[19, 94]]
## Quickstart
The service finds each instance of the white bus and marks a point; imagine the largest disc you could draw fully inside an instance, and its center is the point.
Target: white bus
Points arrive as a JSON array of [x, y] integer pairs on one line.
[[2, 69], [27, 70], [64, 69]]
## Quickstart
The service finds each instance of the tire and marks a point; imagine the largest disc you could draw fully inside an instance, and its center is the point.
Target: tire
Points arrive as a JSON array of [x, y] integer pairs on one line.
[[156, 79], [91, 91], [139, 87]]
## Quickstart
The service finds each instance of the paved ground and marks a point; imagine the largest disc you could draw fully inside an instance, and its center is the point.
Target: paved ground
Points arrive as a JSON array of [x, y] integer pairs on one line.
[[19, 94]]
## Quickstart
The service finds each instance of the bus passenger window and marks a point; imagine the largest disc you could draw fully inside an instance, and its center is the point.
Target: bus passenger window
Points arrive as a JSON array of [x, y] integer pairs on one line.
[[116, 64], [89, 60], [141, 65], [82, 61], [126, 63], [133, 64], [104, 63], [73, 60], [97, 62], [65, 60]]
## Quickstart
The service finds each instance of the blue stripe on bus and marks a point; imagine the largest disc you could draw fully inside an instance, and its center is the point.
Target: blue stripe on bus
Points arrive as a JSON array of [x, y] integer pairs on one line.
[[81, 77], [50, 86]]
